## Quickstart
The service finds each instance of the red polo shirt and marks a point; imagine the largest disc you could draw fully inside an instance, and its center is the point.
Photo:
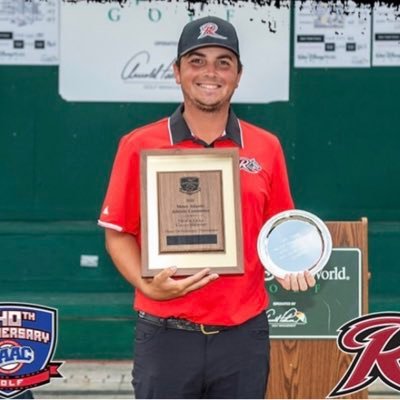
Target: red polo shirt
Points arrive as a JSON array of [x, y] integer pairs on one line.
[[231, 299]]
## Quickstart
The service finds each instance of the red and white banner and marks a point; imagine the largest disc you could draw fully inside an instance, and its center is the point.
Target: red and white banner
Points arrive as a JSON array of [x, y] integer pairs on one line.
[[35, 379]]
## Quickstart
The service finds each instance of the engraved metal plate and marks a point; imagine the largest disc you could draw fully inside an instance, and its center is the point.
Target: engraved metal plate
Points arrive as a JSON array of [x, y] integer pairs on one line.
[[294, 241]]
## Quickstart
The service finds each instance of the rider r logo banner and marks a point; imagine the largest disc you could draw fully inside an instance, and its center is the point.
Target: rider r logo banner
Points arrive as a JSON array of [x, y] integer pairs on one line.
[[375, 341]]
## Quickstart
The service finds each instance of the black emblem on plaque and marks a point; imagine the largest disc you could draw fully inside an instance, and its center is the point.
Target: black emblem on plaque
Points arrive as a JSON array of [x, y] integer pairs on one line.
[[189, 185]]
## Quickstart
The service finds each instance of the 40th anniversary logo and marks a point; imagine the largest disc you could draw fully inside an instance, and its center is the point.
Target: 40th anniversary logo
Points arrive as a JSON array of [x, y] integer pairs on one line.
[[28, 338]]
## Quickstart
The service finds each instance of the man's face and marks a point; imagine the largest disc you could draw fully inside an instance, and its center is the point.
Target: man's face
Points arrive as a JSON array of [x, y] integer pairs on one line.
[[208, 77]]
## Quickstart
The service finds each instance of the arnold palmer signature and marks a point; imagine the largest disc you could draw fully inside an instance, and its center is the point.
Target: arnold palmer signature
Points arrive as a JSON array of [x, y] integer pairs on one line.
[[139, 68], [291, 315]]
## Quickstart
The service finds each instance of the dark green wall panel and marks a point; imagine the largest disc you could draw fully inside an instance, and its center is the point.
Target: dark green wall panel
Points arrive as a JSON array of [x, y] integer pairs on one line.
[[346, 162], [339, 131], [44, 256]]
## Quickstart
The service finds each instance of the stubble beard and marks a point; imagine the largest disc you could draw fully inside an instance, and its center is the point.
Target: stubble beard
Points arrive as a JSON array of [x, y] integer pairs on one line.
[[204, 107], [210, 108]]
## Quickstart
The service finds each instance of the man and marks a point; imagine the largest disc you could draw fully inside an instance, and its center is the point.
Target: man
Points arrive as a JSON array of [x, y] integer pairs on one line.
[[201, 336]]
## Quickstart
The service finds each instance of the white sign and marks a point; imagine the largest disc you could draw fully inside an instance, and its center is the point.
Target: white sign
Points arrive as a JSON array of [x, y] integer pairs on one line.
[[386, 36], [29, 32], [330, 34], [113, 53]]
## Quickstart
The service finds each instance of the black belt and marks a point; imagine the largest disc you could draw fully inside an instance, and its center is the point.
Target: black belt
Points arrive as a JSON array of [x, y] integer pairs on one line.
[[176, 323]]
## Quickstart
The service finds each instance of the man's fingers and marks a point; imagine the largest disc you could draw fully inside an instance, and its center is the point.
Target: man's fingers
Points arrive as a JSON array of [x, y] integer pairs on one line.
[[309, 279], [170, 288], [197, 285], [164, 274], [190, 280], [294, 284], [284, 282], [302, 282]]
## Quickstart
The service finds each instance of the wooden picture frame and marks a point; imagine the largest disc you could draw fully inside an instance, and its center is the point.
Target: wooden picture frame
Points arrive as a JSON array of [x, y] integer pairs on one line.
[[191, 211]]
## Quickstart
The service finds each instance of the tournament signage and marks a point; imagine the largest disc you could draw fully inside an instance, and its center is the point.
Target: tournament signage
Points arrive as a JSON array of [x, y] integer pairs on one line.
[[28, 338], [29, 32], [111, 52], [386, 36], [332, 34], [320, 311]]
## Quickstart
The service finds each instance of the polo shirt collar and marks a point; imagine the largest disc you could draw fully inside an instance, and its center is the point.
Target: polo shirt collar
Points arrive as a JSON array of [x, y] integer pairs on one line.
[[179, 130]]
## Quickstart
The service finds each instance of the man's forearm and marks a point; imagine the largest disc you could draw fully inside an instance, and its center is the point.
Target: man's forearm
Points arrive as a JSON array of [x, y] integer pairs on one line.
[[125, 253]]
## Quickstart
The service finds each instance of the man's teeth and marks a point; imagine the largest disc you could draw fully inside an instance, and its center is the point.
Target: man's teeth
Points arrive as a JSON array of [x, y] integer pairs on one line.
[[208, 86]]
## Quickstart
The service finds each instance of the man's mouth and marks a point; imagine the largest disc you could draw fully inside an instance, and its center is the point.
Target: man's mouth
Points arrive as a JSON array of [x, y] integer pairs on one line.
[[209, 86]]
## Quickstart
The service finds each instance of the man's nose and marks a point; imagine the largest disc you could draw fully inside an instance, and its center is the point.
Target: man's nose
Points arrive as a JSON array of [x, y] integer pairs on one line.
[[210, 69]]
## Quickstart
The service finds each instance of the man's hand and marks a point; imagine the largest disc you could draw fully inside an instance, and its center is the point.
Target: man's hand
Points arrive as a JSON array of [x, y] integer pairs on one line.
[[164, 287], [125, 253], [296, 282]]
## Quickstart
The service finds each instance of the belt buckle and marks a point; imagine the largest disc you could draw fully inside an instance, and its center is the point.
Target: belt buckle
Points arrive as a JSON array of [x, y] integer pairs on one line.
[[207, 332]]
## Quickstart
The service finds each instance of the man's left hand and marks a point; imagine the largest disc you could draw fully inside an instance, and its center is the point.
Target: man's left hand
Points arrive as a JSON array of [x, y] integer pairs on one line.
[[300, 281]]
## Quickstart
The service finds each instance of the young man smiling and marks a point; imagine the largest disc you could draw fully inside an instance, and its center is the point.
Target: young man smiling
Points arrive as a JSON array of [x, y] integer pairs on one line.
[[174, 355]]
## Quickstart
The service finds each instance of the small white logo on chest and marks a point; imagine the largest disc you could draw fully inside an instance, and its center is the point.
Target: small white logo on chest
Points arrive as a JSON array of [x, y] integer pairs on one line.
[[250, 165]]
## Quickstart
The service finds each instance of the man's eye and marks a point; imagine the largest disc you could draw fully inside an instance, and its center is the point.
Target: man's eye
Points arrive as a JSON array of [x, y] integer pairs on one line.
[[196, 61], [224, 63]]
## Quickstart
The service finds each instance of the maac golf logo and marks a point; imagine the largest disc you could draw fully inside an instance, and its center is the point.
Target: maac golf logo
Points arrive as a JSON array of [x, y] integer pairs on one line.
[[27, 342], [375, 339]]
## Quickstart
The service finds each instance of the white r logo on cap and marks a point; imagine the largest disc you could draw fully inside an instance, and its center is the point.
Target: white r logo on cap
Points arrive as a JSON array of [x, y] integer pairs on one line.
[[210, 29]]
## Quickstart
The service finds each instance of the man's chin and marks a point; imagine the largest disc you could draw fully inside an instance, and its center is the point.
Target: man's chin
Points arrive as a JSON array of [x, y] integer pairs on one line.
[[209, 108]]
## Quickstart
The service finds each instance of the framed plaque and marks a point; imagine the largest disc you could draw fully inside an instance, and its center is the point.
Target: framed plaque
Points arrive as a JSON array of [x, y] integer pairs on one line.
[[191, 211], [294, 241]]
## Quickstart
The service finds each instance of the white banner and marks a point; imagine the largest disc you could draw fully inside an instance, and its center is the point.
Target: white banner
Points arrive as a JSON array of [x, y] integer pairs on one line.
[[332, 34], [386, 36], [113, 53], [29, 32]]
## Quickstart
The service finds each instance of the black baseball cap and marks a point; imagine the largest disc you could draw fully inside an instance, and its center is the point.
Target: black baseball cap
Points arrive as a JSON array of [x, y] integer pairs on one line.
[[208, 31]]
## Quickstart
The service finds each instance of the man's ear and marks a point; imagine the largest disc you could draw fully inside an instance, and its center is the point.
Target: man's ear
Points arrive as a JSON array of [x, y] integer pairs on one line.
[[177, 74], [239, 77]]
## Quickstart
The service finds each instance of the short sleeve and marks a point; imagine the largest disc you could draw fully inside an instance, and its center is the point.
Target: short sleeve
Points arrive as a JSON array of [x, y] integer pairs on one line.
[[280, 195], [121, 206]]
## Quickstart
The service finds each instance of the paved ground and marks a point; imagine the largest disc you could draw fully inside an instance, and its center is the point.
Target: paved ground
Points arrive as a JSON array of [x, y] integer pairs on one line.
[[90, 380], [112, 380]]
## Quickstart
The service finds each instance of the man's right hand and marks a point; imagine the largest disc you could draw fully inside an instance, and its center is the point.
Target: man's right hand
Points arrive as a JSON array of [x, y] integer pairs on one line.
[[163, 287], [125, 253]]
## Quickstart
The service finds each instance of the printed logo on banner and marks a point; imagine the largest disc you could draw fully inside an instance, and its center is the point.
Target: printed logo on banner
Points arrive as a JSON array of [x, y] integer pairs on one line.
[[28, 336], [288, 319], [375, 339]]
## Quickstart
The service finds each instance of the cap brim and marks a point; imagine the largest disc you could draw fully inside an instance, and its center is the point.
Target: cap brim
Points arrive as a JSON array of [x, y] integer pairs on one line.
[[198, 46]]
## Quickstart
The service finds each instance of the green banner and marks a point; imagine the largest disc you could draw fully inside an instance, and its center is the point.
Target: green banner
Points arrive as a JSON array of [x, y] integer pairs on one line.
[[320, 311]]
